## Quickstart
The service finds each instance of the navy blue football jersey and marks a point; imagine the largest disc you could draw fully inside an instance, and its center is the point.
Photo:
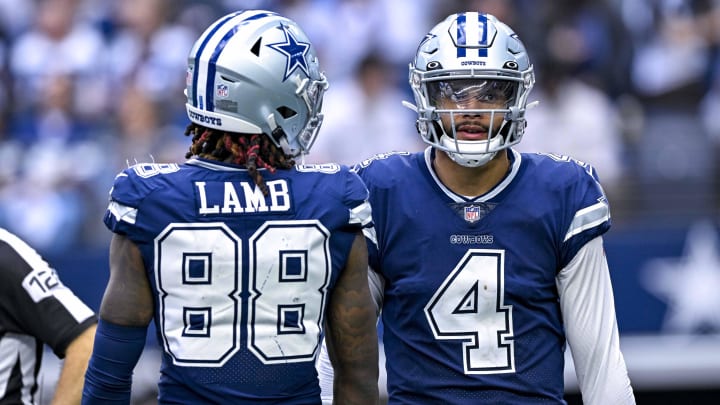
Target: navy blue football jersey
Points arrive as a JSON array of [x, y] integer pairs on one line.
[[471, 309], [240, 280]]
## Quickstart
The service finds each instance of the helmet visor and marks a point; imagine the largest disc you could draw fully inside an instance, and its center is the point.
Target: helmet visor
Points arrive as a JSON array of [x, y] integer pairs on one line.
[[465, 93]]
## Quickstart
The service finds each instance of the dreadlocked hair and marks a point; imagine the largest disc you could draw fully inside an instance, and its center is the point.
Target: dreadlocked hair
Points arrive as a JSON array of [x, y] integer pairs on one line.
[[250, 150]]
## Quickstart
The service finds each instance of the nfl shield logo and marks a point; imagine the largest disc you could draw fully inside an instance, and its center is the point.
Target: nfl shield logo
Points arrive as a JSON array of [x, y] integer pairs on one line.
[[472, 213], [222, 90]]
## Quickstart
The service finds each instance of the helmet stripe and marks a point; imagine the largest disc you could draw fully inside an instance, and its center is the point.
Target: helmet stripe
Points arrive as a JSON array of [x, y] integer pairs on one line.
[[222, 33], [471, 30], [210, 86], [201, 48], [461, 35], [483, 40], [212, 68]]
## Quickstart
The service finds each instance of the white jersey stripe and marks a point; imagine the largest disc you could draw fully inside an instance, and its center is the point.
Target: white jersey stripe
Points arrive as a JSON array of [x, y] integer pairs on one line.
[[362, 214], [122, 212], [588, 218]]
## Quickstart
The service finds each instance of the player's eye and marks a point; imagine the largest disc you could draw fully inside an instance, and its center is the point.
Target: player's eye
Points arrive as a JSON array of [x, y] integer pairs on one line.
[[465, 91]]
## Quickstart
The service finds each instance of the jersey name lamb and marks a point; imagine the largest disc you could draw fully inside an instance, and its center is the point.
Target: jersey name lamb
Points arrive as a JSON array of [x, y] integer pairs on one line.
[[241, 197]]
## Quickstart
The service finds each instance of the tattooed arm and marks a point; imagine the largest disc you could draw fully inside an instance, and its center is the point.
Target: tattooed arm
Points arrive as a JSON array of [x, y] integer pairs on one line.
[[351, 332]]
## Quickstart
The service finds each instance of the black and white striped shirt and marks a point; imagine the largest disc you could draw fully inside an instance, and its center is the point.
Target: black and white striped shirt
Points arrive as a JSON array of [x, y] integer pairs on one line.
[[35, 309]]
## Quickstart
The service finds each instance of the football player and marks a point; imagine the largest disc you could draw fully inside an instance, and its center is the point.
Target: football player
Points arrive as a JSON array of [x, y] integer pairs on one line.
[[487, 262], [243, 258]]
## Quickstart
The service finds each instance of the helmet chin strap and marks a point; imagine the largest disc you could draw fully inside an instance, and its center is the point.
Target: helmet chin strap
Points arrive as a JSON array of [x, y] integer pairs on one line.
[[279, 137], [472, 155]]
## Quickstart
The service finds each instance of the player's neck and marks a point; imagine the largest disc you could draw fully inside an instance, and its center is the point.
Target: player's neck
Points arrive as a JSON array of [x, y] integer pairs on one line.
[[471, 181]]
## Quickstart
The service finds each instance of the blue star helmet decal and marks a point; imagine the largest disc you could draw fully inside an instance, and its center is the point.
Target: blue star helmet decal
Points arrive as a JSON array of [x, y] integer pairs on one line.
[[294, 50]]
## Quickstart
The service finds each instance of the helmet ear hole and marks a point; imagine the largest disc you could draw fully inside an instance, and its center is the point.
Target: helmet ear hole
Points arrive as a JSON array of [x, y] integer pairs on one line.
[[286, 112], [255, 49], [434, 65]]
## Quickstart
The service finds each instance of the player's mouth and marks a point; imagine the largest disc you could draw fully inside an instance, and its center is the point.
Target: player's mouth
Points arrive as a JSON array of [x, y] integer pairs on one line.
[[471, 132]]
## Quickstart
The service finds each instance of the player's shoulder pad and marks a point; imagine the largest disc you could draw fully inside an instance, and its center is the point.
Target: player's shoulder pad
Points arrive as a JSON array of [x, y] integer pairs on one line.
[[133, 184], [340, 180], [587, 209], [385, 168], [562, 168]]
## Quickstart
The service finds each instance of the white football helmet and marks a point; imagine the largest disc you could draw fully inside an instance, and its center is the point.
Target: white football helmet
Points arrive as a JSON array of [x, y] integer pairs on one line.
[[257, 72], [471, 55]]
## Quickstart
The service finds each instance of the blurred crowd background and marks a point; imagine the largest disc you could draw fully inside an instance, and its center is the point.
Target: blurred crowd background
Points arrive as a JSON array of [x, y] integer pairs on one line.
[[90, 86]]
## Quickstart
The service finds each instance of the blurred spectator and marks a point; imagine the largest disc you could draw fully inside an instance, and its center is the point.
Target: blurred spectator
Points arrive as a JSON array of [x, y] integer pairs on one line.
[[670, 74], [664, 31], [138, 132], [404, 23], [707, 22], [343, 31], [15, 16], [506, 11], [58, 44], [41, 204], [141, 134], [364, 115], [602, 52], [576, 119], [576, 115], [52, 117], [58, 96], [4, 85], [149, 50]]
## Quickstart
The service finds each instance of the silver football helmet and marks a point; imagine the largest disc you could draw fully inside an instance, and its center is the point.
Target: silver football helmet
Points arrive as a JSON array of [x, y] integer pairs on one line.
[[471, 56], [257, 72]]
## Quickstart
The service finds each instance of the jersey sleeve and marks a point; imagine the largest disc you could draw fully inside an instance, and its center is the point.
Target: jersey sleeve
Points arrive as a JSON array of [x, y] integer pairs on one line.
[[379, 173], [37, 302], [125, 197], [356, 199], [370, 233], [587, 306], [130, 188], [590, 212]]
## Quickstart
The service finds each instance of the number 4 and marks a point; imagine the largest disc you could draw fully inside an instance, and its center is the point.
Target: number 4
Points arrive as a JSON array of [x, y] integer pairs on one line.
[[469, 306]]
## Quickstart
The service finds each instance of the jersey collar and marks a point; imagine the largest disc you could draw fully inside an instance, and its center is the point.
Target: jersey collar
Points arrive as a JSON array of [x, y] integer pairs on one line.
[[215, 165], [515, 162]]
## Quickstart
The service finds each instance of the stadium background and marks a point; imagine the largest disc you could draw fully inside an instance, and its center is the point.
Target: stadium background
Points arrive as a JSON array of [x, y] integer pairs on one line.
[[630, 86]]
